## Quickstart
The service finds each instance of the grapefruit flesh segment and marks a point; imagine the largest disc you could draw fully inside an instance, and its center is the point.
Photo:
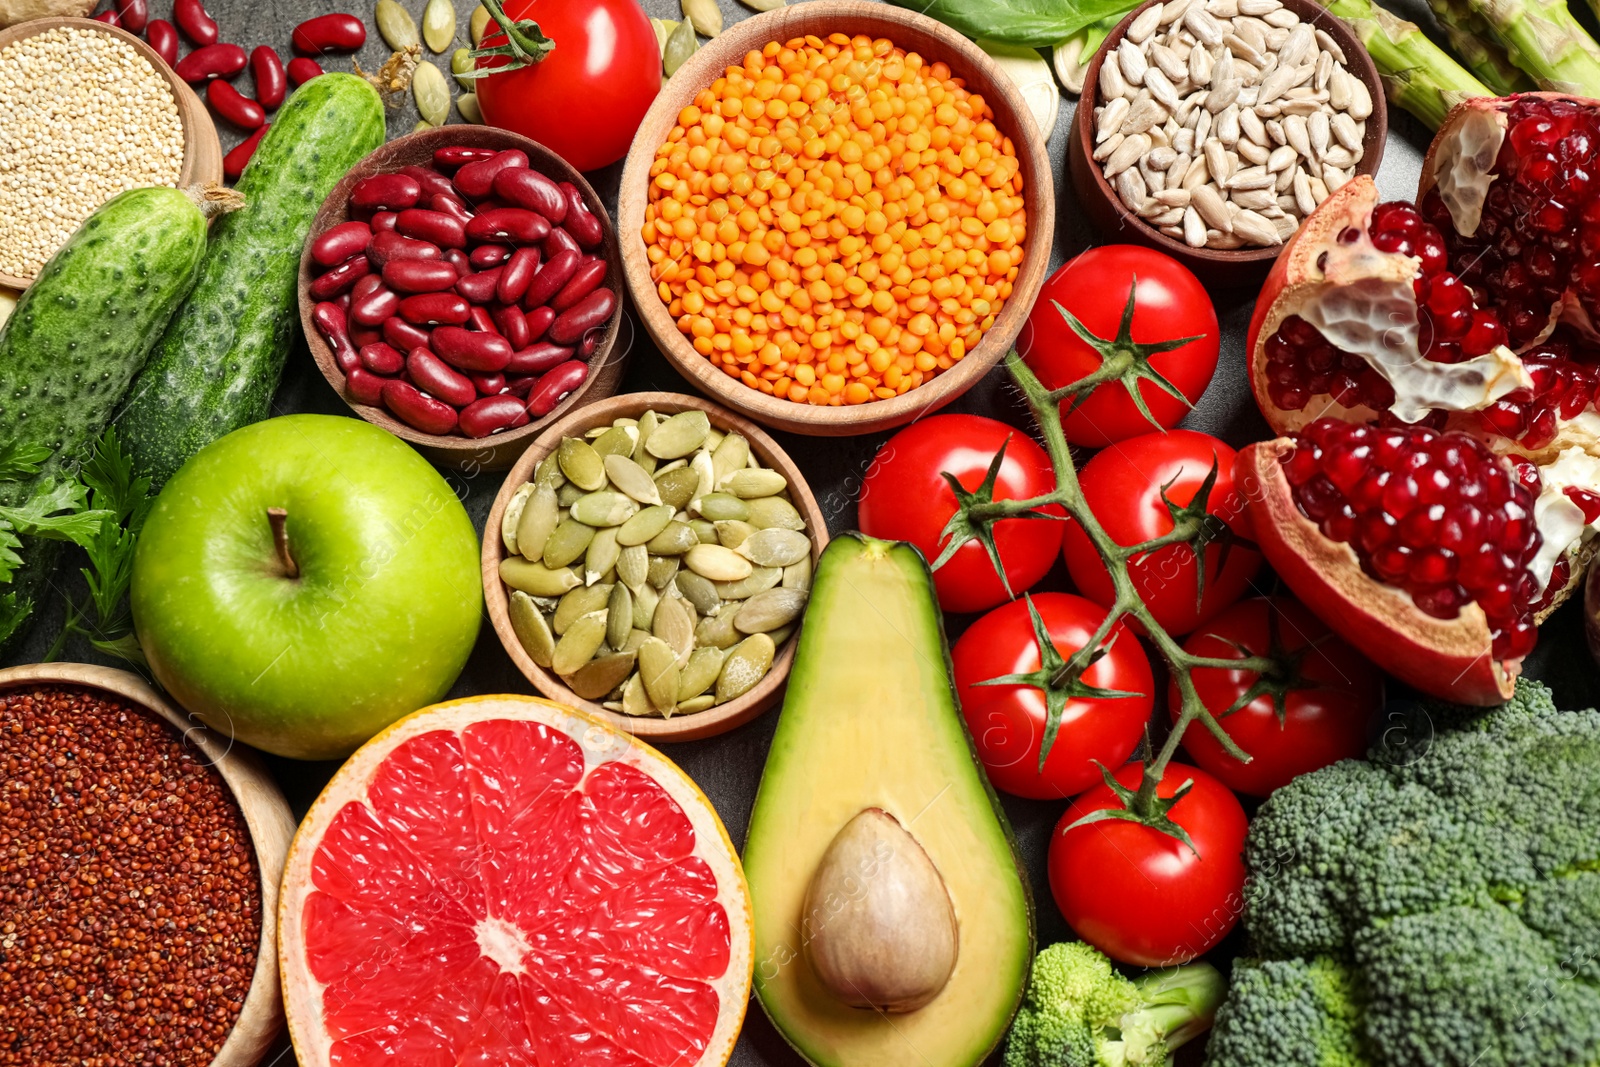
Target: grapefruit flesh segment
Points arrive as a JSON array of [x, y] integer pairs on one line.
[[496, 901]]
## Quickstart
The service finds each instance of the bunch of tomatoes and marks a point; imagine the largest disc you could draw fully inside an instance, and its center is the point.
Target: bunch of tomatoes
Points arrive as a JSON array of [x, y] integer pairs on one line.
[[1139, 895]]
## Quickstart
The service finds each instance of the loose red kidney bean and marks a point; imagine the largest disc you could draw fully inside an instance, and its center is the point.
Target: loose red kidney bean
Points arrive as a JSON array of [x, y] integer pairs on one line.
[[450, 204], [539, 320], [267, 71], [470, 350], [581, 223], [489, 384], [108, 16], [476, 179], [340, 278], [432, 181], [383, 221], [329, 33], [417, 411], [435, 309], [458, 259], [340, 243], [163, 37], [234, 106], [479, 319], [133, 15], [552, 277], [402, 334], [195, 22], [419, 275], [459, 155], [365, 285], [374, 306], [520, 385], [302, 70], [518, 272], [492, 414], [388, 247], [234, 162], [489, 204], [382, 358], [212, 61], [430, 374], [364, 387], [592, 311], [329, 319], [508, 225], [559, 241], [485, 256], [362, 336], [538, 358], [585, 280], [343, 300], [590, 342], [480, 288], [529, 189], [386, 192], [433, 226], [512, 324], [555, 387]]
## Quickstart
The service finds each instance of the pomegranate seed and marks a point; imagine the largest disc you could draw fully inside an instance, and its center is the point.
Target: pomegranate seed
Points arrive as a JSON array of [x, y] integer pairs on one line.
[[1586, 499]]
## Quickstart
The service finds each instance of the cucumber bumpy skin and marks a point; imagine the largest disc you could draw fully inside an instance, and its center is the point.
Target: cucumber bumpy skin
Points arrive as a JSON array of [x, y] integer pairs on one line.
[[219, 363]]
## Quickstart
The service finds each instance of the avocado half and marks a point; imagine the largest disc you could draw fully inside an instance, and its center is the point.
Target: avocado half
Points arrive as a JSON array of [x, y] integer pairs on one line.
[[870, 723]]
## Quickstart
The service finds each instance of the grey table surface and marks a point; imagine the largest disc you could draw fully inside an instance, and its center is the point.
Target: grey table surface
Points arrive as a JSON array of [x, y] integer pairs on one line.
[[729, 767]]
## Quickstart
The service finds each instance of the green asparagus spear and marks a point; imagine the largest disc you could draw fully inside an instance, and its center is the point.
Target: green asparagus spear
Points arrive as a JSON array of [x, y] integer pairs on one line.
[[1543, 38], [1417, 74], [1470, 38]]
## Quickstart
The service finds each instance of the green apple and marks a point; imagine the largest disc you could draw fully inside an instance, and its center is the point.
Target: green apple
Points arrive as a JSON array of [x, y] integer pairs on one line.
[[362, 609]]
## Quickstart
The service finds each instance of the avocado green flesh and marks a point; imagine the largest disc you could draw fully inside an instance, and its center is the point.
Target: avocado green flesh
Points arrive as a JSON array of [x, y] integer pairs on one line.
[[870, 720]]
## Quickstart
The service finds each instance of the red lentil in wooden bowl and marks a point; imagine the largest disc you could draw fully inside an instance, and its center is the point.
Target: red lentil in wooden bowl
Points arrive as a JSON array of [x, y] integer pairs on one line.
[[138, 879]]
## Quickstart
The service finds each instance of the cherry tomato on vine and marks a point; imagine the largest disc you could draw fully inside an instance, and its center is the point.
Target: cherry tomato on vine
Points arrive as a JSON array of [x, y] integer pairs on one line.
[[1312, 711], [1124, 486], [584, 99], [1172, 338], [1009, 722], [905, 497], [1140, 895]]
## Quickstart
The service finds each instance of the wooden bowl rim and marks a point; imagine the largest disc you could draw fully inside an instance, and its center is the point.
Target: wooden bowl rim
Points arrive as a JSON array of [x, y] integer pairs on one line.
[[1357, 62], [696, 725], [848, 16], [199, 132], [267, 817], [551, 165]]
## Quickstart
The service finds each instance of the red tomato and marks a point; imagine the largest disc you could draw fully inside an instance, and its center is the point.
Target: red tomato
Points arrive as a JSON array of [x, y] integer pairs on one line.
[[1323, 722], [1169, 304], [586, 98], [1123, 486], [1142, 896], [904, 497], [1008, 721]]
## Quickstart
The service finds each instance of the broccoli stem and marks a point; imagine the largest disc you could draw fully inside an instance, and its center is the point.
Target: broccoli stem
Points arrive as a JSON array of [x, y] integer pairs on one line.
[[1179, 1004], [1417, 74]]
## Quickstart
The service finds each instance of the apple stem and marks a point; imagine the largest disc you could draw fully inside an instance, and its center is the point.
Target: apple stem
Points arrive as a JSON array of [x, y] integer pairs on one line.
[[278, 518]]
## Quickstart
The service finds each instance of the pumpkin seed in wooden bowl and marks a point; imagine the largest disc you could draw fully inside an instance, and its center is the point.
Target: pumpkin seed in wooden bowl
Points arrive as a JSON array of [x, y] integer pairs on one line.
[[649, 559]]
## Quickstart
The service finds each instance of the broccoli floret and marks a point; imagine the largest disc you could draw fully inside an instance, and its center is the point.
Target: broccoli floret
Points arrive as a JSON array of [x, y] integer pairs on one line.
[[1080, 1012], [1290, 1013]]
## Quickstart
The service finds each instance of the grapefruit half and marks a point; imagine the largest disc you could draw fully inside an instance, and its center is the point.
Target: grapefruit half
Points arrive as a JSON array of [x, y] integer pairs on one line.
[[505, 882]]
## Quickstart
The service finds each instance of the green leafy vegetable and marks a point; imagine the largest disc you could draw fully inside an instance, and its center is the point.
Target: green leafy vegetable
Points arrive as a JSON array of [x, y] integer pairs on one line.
[[1036, 23]]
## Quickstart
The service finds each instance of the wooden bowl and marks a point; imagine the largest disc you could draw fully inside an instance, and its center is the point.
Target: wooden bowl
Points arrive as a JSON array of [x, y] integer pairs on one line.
[[916, 33], [266, 815], [1216, 267], [500, 450], [696, 725], [202, 152]]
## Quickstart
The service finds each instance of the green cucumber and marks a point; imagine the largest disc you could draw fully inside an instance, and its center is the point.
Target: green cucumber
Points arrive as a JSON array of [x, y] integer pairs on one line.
[[219, 363], [82, 331]]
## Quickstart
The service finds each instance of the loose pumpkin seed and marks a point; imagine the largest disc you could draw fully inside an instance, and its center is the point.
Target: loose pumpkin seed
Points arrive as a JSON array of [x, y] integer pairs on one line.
[[774, 511], [645, 600], [581, 464], [676, 487], [674, 540], [680, 434], [760, 580], [647, 426], [699, 591], [636, 637], [662, 570], [763, 5], [706, 16], [681, 44], [461, 62], [748, 484], [700, 673], [718, 631], [432, 93], [578, 603], [717, 563], [567, 543], [422, 124], [705, 477], [604, 508], [602, 674], [632, 479], [549, 471], [798, 575], [706, 531], [536, 579], [601, 557], [633, 566], [645, 525], [746, 664], [439, 24], [617, 441], [540, 516], [770, 609], [776, 547], [531, 629], [634, 700], [467, 104], [700, 703], [568, 494], [513, 513], [663, 28], [579, 644], [732, 533], [478, 23], [674, 625], [395, 25], [730, 455], [619, 616], [782, 634], [721, 506], [658, 669]]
